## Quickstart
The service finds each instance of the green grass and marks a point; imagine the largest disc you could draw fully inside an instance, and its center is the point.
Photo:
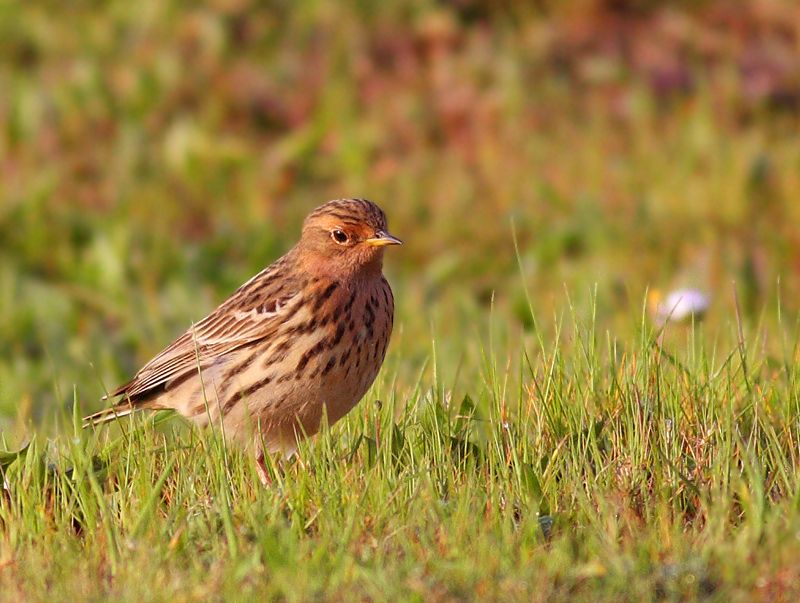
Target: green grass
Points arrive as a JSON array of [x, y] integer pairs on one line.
[[535, 439], [579, 469]]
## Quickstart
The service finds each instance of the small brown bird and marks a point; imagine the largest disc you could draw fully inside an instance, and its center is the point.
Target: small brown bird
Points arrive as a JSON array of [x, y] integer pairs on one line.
[[303, 338]]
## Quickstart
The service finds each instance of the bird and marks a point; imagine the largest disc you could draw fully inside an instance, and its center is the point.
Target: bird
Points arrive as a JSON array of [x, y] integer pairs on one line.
[[301, 340]]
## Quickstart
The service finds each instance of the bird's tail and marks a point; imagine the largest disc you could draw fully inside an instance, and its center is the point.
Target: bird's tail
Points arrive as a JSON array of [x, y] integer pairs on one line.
[[108, 414]]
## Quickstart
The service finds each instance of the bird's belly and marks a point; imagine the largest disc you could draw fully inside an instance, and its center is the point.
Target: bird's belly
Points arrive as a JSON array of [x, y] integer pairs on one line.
[[294, 403]]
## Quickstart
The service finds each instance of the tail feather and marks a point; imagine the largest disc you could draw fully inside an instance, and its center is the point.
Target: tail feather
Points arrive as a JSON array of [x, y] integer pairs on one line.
[[108, 414], [122, 408]]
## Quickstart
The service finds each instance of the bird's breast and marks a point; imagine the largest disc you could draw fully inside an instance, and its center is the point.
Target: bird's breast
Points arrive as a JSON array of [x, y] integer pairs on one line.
[[321, 362]]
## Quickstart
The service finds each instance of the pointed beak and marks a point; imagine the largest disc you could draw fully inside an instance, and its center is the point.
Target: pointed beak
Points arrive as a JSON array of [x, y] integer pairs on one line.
[[382, 238]]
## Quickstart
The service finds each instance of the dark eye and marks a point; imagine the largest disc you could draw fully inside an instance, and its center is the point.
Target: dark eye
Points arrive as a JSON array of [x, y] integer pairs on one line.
[[340, 236]]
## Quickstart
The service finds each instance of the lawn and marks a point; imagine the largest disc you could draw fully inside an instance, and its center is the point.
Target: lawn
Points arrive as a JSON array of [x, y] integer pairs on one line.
[[533, 434]]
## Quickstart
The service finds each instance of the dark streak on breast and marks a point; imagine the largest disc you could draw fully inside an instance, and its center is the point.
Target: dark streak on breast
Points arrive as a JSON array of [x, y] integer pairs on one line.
[[279, 353], [241, 367], [337, 337], [349, 305], [310, 353], [329, 366], [325, 295], [247, 392]]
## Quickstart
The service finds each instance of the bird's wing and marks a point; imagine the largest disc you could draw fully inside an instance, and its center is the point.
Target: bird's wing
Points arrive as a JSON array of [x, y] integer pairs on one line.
[[253, 313]]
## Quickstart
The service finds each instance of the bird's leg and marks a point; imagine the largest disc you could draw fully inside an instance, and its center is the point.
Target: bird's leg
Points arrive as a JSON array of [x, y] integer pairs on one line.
[[261, 468]]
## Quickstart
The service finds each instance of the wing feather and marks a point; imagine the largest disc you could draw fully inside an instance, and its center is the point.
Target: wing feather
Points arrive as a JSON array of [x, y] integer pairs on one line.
[[251, 314]]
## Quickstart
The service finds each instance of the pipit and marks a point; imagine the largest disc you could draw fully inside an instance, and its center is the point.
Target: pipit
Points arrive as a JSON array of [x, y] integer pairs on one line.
[[302, 339]]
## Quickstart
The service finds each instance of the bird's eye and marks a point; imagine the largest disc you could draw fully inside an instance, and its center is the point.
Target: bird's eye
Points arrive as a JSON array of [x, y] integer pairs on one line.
[[340, 236]]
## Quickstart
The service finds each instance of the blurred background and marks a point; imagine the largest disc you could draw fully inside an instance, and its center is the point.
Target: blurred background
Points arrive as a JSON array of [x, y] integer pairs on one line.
[[155, 154]]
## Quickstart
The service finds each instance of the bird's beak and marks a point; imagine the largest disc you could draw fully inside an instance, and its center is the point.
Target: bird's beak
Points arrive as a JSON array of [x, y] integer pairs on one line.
[[382, 238]]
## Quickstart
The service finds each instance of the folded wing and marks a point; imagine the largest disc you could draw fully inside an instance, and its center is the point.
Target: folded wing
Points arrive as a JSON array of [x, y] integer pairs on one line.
[[253, 313]]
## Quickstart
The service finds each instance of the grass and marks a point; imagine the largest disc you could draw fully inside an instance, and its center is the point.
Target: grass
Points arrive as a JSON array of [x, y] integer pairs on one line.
[[536, 438], [570, 470]]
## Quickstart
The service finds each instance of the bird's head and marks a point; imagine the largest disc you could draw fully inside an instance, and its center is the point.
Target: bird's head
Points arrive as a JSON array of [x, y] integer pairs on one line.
[[345, 236]]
